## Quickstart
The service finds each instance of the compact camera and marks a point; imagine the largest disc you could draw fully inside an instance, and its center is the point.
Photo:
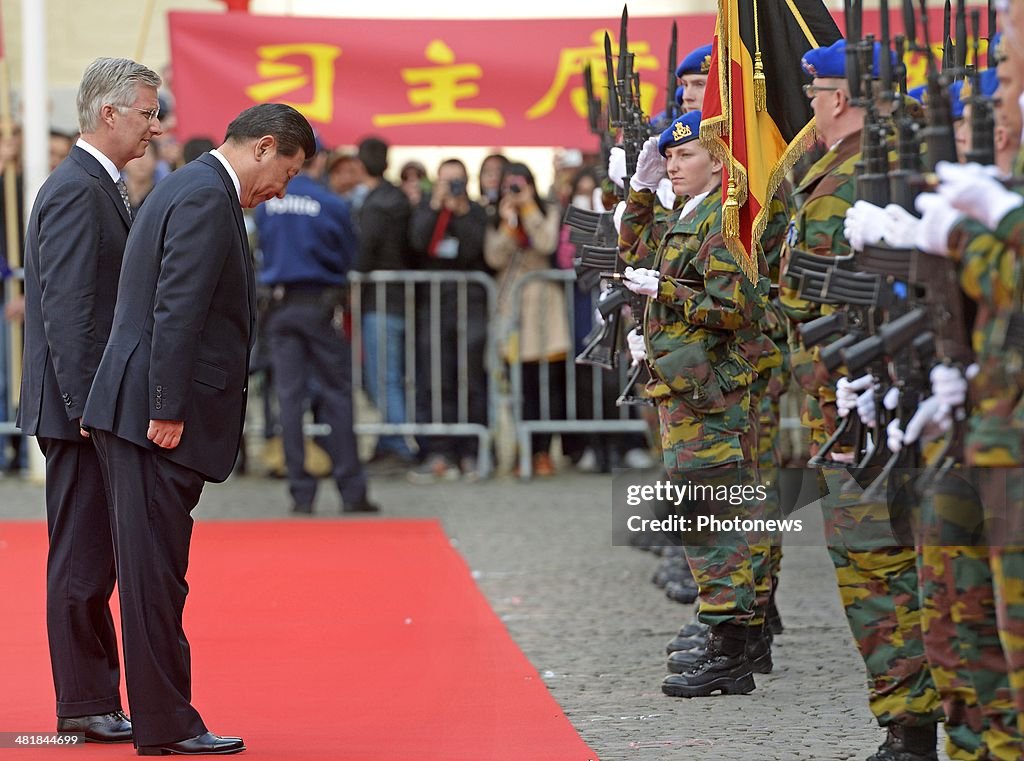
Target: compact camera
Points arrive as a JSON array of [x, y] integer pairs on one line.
[[515, 187], [457, 188]]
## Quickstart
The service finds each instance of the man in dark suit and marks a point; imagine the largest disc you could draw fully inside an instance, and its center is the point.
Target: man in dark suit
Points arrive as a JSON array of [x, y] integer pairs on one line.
[[75, 240], [168, 402]]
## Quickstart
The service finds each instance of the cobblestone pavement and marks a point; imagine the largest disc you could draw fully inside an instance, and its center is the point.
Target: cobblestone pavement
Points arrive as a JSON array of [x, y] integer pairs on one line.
[[593, 625]]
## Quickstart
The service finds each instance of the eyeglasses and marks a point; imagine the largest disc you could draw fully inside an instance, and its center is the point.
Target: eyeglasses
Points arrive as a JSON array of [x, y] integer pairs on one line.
[[811, 90], [150, 113]]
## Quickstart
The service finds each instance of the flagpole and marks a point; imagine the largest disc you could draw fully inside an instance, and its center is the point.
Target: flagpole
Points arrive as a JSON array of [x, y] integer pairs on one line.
[[147, 20], [36, 136]]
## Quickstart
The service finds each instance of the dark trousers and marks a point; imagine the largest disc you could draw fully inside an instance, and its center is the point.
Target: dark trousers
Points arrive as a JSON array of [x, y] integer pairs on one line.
[[554, 389], [152, 501], [79, 581], [441, 376], [307, 351]]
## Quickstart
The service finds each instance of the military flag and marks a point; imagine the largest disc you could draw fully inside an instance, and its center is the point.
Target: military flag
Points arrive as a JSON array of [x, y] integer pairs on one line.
[[755, 116]]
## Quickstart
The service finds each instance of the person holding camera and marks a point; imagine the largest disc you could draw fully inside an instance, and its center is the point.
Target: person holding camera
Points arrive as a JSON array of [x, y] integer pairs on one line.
[[447, 235], [522, 239]]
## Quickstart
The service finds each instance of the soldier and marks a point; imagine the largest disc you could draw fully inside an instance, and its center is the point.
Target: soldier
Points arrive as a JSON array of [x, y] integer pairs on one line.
[[692, 74], [701, 381], [960, 576], [878, 580]]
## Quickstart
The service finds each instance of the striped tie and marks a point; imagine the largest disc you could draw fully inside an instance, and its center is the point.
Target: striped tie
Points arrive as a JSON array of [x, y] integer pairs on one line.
[[123, 190]]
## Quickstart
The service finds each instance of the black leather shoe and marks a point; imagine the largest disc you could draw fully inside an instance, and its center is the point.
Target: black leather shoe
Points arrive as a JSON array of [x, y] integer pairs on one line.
[[366, 506], [103, 728], [207, 744]]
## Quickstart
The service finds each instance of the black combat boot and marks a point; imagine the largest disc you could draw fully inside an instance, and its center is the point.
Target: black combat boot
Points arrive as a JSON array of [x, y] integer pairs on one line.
[[724, 667], [758, 651], [907, 744], [772, 617], [671, 569], [689, 636], [682, 591]]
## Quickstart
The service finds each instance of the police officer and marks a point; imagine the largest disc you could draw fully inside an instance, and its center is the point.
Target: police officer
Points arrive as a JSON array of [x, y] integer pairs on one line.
[[878, 579], [308, 248], [700, 380]]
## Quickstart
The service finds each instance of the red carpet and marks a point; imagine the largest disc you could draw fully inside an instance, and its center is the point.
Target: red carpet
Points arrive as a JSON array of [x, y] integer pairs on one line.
[[334, 641]]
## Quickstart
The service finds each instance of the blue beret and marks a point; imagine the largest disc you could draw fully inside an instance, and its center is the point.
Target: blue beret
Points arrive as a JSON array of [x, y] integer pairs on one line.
[[679, 95], [959, 92], [830, 62], [698, 62], [684, 129], [917, 93]]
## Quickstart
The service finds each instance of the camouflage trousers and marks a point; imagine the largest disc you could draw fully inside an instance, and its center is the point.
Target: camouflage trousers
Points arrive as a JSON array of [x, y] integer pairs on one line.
[[713, 450], [768, 555], [960, 624], [878, 588]]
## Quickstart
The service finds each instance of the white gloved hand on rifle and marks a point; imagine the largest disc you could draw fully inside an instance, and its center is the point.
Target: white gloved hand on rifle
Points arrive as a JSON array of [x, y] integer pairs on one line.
[[637, 350], [617, 166], [865, 224], [641, 281], [974, 190]]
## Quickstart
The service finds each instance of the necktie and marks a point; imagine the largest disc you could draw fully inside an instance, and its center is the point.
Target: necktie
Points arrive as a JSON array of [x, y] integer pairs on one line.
[[123, 190]]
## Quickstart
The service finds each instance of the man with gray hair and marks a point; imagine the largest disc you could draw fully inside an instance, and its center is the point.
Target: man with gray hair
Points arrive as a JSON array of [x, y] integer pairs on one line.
[[74, 244]]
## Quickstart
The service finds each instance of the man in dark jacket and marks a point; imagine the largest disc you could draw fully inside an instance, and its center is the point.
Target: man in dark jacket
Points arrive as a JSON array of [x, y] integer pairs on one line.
[[75, 241], [384, 245]]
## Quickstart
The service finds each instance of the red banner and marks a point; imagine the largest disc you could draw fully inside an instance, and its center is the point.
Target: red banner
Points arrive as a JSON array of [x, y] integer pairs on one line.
[[483, 82], [489, 83]]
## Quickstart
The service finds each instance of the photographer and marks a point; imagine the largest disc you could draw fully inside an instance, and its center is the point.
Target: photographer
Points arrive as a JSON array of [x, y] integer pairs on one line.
[[522, 239], [447, 234]]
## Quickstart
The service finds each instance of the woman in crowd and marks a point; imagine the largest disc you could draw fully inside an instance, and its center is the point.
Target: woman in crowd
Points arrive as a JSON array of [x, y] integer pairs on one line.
[[522, 239]]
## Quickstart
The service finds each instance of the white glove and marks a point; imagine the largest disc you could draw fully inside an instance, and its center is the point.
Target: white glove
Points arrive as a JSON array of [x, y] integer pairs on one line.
[[597, 199], [865, 224], [620, 209], [650, 167], [617, 166], [937, 219], [637, 350], [666, 195], [641, 281], [901, 230], [894, 436], [598, 317], [844, 457], [931, 420], [866, 405], [974, 190], [847, 392], [949, 385]]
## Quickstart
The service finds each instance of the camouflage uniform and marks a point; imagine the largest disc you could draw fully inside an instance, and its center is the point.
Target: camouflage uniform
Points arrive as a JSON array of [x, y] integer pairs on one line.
[[701, 382], [772, 381], [988, 599], [878, 583]]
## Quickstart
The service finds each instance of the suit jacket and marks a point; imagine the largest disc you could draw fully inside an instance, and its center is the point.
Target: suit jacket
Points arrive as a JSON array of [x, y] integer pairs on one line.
[[74, 243], [184, 324]]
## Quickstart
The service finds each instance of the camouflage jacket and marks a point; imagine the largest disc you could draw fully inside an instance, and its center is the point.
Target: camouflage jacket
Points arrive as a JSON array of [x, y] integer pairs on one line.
[[694, 335], [638, 246], [828, 190], [990, 275]]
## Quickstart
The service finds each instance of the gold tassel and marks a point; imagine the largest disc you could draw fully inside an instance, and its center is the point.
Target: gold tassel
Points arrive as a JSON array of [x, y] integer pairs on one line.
[[760, 94], [731, 213]]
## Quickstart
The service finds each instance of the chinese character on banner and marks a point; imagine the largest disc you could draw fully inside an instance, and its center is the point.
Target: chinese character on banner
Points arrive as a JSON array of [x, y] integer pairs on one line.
[[289, 77], [439, 92], [572, 62]]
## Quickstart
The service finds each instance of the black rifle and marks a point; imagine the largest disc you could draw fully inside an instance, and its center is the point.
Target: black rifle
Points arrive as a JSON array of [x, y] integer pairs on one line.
[[983, 145]]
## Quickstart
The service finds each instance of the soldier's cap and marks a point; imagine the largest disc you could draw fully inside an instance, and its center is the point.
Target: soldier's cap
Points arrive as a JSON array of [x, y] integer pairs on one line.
[[917, 93], [679, 95], [684, 129], [697, 62], [830, 62], [960, 91]]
